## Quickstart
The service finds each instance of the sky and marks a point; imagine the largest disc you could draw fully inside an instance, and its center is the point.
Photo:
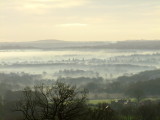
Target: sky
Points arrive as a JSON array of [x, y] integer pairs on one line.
[[79, 20]]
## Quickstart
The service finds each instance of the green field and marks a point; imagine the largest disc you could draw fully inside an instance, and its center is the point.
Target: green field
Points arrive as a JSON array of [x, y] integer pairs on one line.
[[101, 101], [109, 100]]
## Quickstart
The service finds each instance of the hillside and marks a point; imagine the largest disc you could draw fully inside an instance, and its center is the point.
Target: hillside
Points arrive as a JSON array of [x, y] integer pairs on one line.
[[147, 81], [142, 76], [59, 44], [49, 44]]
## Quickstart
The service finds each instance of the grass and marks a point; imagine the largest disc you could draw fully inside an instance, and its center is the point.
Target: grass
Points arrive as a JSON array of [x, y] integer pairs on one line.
[[152, 99], [101, 101], [105, 100], [109, 100]]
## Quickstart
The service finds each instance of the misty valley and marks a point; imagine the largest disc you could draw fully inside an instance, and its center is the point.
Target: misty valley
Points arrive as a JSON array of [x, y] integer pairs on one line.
[[105, 63], [80, 67], [116, 76]]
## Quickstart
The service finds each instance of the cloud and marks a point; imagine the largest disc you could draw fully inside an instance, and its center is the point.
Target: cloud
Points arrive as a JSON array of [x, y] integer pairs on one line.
[[40, 5], [46, 3], [73, 25]]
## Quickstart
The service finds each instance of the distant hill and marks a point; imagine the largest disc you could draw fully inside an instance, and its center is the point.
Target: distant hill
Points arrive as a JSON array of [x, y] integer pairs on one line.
[[142, 76], [49, 41], [150, 87], [49, 44], [59, 44], [147, 81], [136, 44]]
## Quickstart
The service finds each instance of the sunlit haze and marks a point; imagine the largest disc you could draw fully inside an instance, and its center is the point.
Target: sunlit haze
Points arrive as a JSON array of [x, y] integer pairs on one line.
[[79, 20]]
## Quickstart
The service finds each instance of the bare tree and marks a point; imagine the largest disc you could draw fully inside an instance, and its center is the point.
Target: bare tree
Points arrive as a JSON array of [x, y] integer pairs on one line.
[[56, 102]]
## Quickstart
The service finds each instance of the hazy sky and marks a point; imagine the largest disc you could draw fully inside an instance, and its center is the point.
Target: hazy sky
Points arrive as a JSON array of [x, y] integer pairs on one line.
[[79, 20]]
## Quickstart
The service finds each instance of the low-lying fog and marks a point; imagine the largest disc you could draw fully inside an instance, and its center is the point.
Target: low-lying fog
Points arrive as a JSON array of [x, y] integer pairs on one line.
[[105, 63]]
